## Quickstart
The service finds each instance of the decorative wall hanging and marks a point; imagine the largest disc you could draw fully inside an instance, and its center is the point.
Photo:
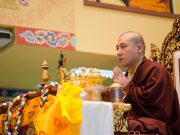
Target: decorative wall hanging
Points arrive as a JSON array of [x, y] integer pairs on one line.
[[45, 38], [14, 4]]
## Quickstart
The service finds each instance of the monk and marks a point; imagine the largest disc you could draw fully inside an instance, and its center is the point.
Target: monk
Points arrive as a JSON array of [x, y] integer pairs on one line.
[[150, 90]]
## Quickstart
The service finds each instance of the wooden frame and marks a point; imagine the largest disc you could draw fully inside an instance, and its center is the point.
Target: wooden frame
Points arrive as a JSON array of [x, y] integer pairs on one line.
[[128, 9]]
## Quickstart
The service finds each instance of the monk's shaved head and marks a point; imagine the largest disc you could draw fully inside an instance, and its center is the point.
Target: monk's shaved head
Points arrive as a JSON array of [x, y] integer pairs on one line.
[[135, 37]]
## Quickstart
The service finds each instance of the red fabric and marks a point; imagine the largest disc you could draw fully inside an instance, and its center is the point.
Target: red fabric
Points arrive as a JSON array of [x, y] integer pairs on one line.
[[154, 100]]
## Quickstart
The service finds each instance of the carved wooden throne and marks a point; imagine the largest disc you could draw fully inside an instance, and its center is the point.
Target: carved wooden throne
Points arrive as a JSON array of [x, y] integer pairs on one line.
[[170, 45], [169, 55]]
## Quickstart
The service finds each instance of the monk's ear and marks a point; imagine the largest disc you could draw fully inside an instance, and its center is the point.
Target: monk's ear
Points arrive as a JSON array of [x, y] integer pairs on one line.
[[140, 48]]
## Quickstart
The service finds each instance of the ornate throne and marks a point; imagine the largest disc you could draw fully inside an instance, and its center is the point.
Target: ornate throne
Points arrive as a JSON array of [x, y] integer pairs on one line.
[[170, 45], [166, 56]]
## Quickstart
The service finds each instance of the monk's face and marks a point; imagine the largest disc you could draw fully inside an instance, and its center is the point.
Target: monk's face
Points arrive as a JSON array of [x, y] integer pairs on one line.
[[127, 52]]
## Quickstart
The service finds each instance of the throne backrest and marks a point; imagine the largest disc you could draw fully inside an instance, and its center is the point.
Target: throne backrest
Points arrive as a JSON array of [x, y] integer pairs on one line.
[[170, 45]]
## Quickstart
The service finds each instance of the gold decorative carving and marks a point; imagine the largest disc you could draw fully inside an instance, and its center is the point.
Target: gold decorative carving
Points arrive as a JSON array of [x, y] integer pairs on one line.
[[171, 44], [155, 53]]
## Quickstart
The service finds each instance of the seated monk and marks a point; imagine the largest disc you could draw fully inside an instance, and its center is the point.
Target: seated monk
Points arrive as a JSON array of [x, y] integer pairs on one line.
[[149, 88]]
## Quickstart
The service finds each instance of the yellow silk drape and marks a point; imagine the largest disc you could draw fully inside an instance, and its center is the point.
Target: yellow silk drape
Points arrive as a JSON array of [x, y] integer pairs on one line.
[[64, 116]]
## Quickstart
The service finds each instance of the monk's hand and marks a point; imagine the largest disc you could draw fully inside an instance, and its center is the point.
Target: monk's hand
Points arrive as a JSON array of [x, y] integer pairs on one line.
[[120, 77]]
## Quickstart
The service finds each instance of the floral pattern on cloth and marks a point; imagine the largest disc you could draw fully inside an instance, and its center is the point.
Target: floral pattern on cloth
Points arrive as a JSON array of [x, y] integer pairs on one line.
[[2, 122], [64, 116], [30, 112]]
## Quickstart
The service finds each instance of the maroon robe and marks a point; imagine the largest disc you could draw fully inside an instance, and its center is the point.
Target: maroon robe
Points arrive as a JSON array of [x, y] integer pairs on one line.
[[155, 106]]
